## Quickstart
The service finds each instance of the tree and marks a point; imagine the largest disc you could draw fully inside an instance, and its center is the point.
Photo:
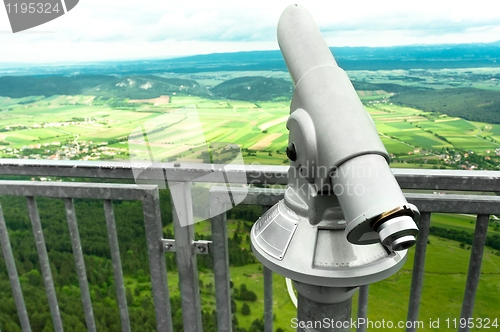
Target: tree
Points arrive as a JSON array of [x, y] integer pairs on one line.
[[130, 297], [35, 278], [257, 325], [245, 310], [244, 294], [145, 303]]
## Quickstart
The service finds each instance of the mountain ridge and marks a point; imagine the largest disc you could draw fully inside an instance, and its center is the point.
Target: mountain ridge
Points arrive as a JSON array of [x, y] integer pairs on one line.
[[435, 56]]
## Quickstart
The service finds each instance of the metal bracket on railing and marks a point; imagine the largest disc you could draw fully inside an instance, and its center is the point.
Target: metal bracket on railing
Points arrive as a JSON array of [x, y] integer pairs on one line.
[[201, 247], [168, 245]]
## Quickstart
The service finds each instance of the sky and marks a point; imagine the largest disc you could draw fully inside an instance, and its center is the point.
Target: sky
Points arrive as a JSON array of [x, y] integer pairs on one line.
[[102, 30]]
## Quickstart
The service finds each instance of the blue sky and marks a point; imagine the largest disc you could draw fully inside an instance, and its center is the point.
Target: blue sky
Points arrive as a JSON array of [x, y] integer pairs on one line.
[[125, 29]]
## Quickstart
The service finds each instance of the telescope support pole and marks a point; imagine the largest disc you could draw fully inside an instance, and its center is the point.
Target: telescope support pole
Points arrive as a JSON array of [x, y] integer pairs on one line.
[[323, 309]]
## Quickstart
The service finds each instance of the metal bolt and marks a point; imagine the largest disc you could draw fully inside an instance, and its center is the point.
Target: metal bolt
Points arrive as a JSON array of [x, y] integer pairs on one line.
[[168, 246], [201, 249]]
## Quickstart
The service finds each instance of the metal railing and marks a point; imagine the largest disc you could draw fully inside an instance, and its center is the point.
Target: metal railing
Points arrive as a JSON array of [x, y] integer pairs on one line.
[[148, 194], [182, 176]]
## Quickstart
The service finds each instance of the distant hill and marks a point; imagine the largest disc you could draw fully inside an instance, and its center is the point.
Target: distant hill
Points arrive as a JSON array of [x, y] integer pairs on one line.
[[147, 86], [353, 58], [389, 87], [253, 88], [23, 86], [142, 87], [468, 103], [349, 58], [136, 87]]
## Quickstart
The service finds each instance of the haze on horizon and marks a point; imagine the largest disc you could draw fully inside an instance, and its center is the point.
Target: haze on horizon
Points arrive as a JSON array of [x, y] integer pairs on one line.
[[125, 30]]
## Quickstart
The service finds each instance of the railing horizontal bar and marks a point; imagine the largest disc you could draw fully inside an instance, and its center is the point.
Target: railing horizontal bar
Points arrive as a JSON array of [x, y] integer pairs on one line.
[[447, 179], [248, 196], [476, 258], [146, 171], [471, 204], [121, 294], [407, 178], [80, 264], [475, 204], [13, 276], [75, 190], [44, 263]]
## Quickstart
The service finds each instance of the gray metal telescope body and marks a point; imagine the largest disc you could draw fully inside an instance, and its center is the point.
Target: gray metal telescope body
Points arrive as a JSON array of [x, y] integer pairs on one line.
[[344, 221], [337, 145], [312, 236]]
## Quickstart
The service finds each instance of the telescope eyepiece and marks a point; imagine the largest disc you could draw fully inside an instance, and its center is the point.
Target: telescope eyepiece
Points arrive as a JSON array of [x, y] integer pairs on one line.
[[398, 233]]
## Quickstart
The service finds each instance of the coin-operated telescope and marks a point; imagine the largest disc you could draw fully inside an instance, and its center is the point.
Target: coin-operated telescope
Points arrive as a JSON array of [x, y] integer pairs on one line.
[[344, 221]]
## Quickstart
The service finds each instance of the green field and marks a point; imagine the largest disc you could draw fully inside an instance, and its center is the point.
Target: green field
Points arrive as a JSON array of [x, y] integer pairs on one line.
[[444, 284], [181, 129], [461, 222], [431, 78]]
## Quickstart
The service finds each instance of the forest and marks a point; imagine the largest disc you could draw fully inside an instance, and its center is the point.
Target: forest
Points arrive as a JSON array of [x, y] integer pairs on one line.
[[467, 103], [106, 86], [93, 233]]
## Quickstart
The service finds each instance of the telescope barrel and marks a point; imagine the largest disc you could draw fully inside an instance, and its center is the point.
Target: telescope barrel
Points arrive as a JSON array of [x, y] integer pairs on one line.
[[341, 129], [301, 43]]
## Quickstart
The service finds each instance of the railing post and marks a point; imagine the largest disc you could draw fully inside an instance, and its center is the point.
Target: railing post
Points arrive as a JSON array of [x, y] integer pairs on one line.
[[268, 293], [13, 276], [418, 270], [157, 265], [221, 263], [121, 294], [476, 258], [182, 210], [44, 263], [362, 306], [80, 264], [268, 300]]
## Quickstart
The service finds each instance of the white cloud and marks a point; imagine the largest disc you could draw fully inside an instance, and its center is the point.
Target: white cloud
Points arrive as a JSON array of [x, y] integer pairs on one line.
[[117, 29]]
